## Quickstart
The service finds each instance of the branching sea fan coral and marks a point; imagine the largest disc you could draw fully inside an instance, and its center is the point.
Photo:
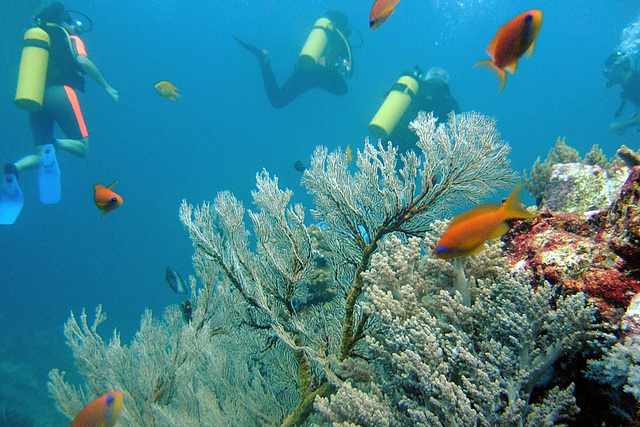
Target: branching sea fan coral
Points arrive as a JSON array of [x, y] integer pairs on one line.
[[255, 348]]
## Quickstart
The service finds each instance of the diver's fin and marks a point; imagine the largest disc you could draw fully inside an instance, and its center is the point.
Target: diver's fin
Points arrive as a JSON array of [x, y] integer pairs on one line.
[[256, 51], [49, 175], [12, 201]]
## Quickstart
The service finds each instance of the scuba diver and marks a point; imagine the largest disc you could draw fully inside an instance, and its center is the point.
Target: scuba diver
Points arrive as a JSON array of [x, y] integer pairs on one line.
[[619, 71], [413, 92], [52, 66], [324, 62]]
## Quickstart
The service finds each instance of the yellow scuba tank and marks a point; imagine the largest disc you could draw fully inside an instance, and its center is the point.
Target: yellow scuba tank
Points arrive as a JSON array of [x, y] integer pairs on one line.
[[394, 106], [315, 44], [33, 69]]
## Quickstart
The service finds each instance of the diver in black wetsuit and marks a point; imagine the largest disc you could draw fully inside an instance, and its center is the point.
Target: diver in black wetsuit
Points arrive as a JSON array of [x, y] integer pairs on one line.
[[327, 71], [619, 71], [428, 92], [434, 96]]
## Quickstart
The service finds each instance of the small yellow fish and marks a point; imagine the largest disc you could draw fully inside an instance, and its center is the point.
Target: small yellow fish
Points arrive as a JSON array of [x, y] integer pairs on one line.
[[349, 153], [167, 90]]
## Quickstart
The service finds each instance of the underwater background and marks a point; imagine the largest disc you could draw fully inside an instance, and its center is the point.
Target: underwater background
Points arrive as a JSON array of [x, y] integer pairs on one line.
[[61, 258]]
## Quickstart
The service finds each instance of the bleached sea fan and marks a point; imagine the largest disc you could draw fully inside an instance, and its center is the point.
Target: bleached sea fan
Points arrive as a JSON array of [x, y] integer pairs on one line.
[[253, 350]]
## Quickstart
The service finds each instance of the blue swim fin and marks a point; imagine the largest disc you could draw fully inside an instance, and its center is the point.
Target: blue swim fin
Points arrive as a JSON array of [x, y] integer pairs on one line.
[[12, 201], [49, 175]]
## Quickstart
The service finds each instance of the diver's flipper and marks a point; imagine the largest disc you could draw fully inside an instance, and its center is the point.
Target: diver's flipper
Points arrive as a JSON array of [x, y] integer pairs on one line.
[[49, 175], [256, 51], [12, 200]]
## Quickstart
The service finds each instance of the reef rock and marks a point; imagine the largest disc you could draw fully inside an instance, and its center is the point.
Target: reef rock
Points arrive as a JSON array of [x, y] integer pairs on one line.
[[594, 252], [576, 187]]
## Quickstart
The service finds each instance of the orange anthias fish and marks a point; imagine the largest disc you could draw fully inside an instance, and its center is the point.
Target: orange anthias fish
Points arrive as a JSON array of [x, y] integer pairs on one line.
[[106, 200], [468, 231], [381, 11], [102, 412], [167, 90], [512, 40]]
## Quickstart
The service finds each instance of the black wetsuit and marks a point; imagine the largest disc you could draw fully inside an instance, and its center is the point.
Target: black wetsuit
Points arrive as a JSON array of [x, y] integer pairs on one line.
[[322, 77], [433, 96], [631, 89]]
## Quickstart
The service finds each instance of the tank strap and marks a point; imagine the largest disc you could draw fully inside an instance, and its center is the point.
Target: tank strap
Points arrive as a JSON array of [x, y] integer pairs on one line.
[[401, 87], [35, 43], [346, 45]]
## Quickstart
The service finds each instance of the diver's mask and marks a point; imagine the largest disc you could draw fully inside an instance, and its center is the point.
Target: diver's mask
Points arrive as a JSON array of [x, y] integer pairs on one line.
[[78, 21], [617, 67]]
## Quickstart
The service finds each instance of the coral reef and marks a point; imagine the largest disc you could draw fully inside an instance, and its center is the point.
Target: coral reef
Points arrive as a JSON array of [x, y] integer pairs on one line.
[[355, 323], [438, 362], [595, 252], [630, 157], [576, 187], [621, 223], [541, 172], [620, 366], [248, 341]]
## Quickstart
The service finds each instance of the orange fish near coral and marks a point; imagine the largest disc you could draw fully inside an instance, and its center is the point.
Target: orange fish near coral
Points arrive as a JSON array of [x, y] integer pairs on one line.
[[381, 11], [105, 198], [102, 412], [469, 230], [512, 40], [167, 90]]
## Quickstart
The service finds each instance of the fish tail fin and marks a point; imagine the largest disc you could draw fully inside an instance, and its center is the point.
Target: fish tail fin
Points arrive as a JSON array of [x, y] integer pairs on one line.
[[513, 208], [499, 72], [529, 51]]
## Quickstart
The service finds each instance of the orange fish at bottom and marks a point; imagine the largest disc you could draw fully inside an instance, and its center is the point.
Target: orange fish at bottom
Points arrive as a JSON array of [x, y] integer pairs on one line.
[[105, 198], [102, 412], [468, 231]]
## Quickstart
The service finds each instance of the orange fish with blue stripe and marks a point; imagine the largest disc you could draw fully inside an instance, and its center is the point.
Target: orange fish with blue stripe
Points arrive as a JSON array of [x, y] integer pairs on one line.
[[102, 412], [381, 11], [468, 231], [105, 198], [511, 41]]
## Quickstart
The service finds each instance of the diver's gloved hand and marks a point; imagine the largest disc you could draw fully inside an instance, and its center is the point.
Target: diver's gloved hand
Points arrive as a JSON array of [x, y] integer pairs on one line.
[[114, 93]]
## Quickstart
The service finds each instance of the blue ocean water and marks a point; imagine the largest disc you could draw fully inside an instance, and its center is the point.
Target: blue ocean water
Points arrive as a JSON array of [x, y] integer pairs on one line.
[[61, 258]]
